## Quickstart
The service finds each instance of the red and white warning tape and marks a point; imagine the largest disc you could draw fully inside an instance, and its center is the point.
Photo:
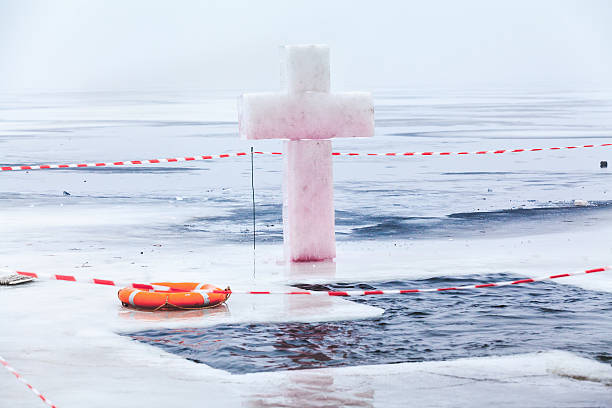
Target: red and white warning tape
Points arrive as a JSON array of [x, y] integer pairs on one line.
[[10, 369], [145, 286], [95, 281], [498, 151], [222, 156], [122, 163]]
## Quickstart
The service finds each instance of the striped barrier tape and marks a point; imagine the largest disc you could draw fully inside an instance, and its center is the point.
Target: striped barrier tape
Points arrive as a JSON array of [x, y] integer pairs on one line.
[[11, 370], [122, 163], [228, 155], [479, 152], [95, 281], [146, 286]]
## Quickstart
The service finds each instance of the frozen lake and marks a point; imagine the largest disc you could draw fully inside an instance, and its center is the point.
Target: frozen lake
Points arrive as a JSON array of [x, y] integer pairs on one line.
[[400, 221]]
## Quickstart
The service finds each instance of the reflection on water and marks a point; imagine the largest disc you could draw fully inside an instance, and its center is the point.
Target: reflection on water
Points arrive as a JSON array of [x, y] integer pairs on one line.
[[173, 315], [314, 390]]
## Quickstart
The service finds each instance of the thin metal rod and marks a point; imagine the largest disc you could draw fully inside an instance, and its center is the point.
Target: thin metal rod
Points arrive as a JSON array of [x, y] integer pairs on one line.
[[253, 204]]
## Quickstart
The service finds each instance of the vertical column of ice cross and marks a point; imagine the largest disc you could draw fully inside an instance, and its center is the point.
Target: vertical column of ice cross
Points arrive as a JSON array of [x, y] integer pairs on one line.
[[308, 190], [308, 201], [308, 116]]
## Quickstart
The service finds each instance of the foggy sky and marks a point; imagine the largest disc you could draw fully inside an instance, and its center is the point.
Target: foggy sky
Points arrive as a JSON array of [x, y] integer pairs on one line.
[[184, 44]]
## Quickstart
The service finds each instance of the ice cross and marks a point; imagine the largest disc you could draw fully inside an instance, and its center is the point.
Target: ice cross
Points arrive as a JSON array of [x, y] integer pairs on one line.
[[308, 115]]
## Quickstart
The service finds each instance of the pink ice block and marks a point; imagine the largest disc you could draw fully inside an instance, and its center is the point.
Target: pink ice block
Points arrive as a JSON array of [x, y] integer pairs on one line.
[[308, 205], [308, 115]]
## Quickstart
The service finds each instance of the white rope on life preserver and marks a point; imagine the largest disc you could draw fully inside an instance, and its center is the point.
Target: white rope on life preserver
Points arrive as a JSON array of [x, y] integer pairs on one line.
[[145, 286], [239, 154], [11, 370]]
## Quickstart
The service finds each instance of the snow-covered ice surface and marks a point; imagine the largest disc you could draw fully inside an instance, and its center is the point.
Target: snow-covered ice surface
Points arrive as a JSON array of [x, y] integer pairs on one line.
[[397, 218]]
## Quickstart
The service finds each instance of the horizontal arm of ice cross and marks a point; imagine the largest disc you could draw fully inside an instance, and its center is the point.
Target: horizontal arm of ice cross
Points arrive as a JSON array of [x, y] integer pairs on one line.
[[309, 115]]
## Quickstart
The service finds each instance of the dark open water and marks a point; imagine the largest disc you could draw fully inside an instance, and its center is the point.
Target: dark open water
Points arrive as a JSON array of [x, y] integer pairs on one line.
[[432, 326]]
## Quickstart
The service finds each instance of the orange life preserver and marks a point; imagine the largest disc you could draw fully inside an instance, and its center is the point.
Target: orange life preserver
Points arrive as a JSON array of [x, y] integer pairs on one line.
[[173, 298]]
